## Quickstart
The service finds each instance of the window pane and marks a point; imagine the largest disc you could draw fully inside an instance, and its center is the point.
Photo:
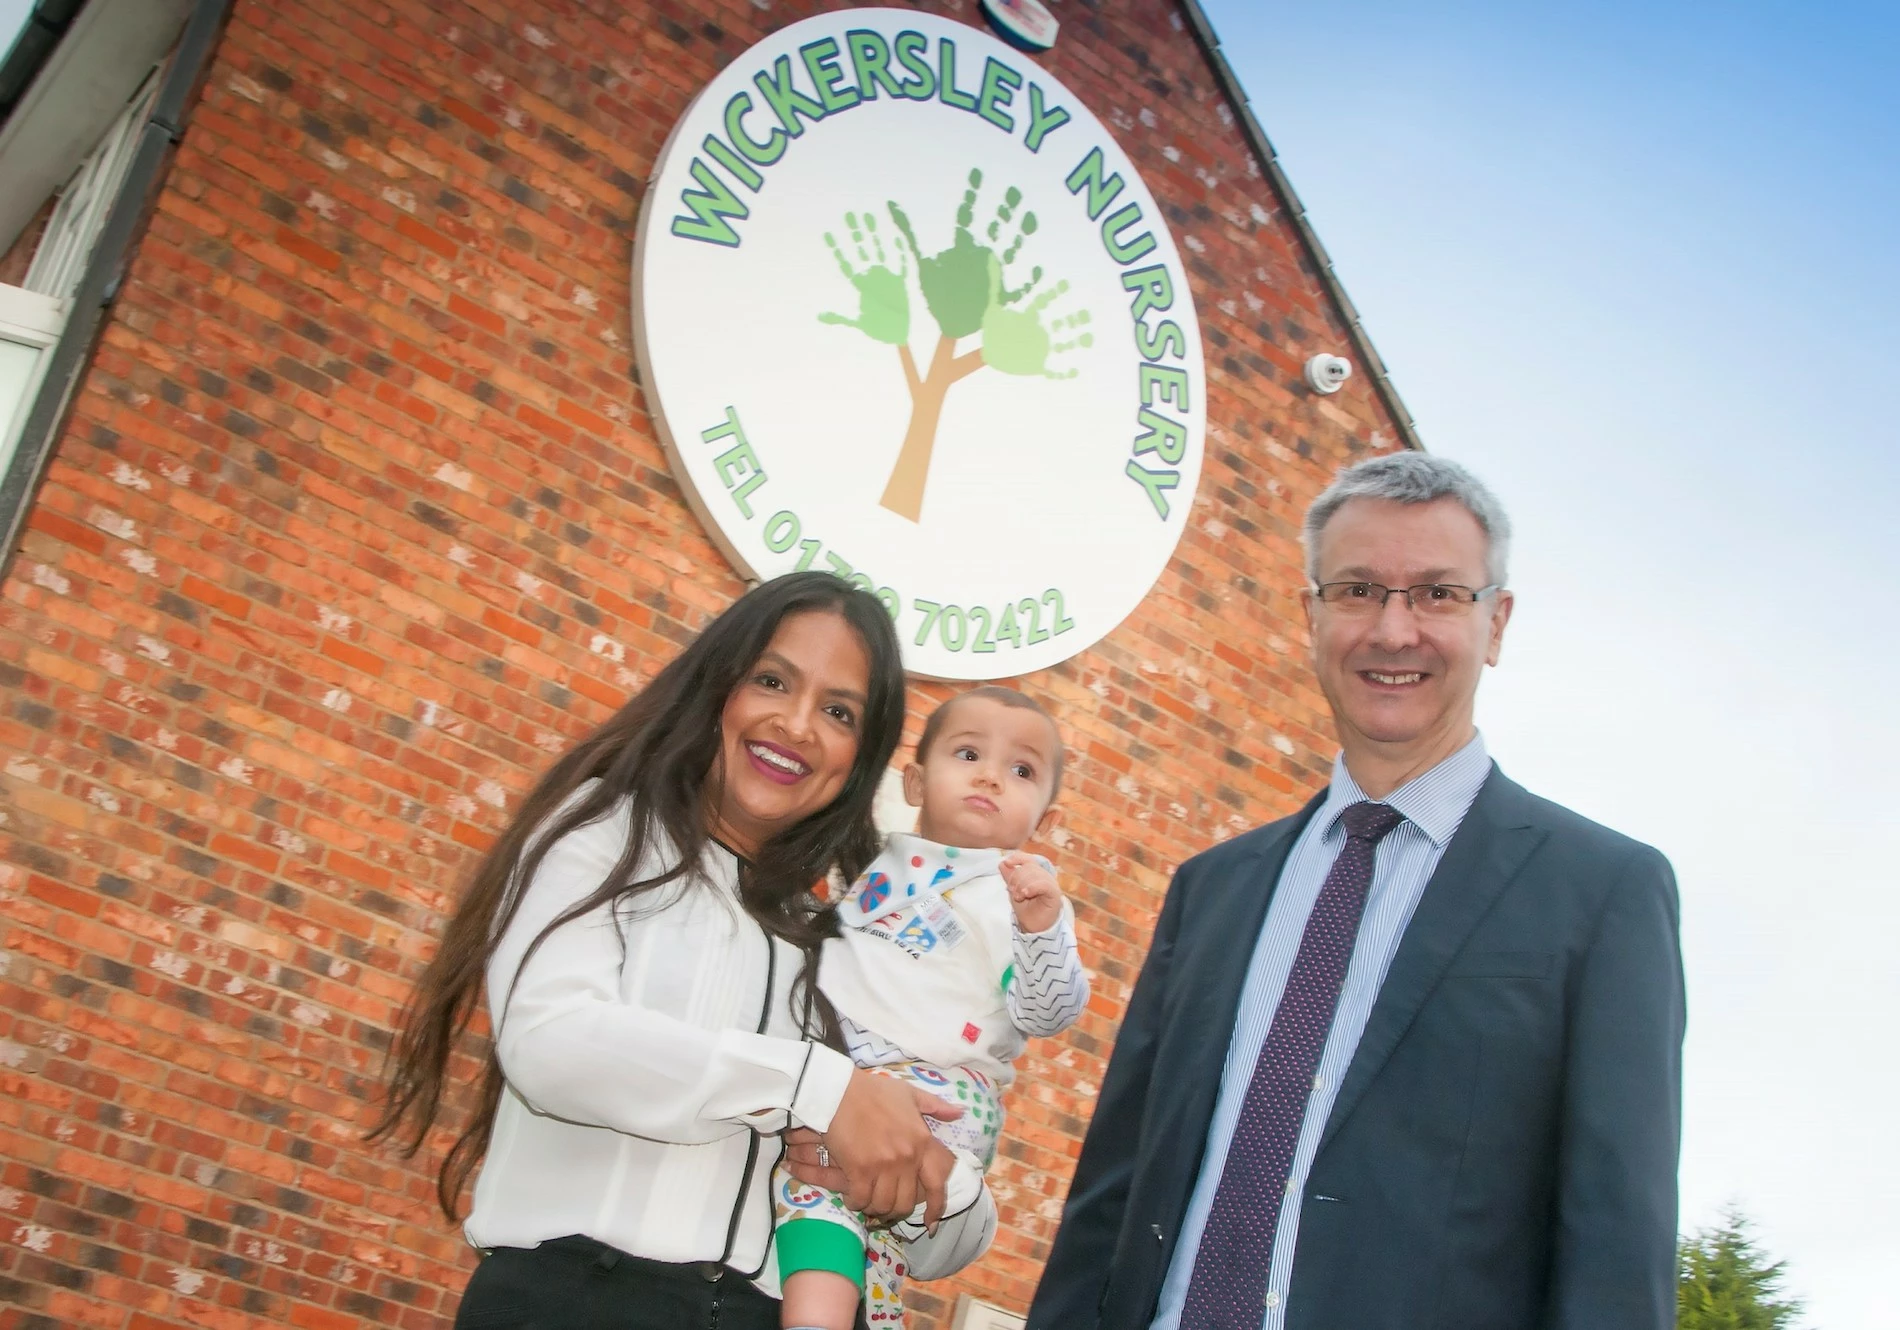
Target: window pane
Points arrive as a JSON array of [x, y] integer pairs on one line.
[[19, 376]]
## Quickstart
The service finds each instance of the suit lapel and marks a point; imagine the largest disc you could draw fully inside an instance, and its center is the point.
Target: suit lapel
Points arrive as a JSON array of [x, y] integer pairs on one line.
[[1235, 912], [1490, 846]]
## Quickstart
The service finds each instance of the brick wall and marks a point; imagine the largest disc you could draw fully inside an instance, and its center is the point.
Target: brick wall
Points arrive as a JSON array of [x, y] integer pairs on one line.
[[359, 518]]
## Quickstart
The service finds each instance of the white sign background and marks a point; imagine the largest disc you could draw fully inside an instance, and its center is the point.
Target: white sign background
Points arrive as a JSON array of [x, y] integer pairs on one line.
[[1029, 497]]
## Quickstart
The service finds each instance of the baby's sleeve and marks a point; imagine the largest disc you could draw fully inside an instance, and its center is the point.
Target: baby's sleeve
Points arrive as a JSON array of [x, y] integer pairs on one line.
[[1048, 988]]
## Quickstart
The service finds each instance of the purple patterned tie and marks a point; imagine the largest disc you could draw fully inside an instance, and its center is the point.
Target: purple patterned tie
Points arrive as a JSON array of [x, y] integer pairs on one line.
[[1228, 1288]]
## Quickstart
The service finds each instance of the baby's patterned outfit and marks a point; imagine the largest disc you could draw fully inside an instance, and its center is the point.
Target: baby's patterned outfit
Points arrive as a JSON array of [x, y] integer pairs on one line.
[[934, 984]]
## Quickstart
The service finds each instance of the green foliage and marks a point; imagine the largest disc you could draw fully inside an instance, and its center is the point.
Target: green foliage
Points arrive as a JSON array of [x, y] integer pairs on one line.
[[1725, 1282]]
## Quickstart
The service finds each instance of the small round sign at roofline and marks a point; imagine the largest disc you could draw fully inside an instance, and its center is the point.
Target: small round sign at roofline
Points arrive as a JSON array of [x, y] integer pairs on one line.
[[1024, 23]]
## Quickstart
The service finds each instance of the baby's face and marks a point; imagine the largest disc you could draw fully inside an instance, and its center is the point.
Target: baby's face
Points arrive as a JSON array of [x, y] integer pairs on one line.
[[985, 783]]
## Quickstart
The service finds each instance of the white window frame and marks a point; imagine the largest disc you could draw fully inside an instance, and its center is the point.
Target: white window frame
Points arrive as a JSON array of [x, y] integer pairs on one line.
[[59, 262], [27, 318], [35, 314]]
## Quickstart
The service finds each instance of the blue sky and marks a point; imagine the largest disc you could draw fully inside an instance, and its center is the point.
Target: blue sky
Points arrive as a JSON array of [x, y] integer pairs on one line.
[[1635, 266]]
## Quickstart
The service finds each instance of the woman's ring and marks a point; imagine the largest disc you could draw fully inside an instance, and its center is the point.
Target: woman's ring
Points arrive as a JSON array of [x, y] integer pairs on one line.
[[824, 1157]]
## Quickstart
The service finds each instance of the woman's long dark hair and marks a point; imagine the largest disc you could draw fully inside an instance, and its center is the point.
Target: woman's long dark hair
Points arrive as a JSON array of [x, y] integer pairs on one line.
[[659, 752]]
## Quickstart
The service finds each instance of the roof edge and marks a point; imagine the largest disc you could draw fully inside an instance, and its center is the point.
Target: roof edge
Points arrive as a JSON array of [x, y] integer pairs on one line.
[[39, 36], [1276, 177]]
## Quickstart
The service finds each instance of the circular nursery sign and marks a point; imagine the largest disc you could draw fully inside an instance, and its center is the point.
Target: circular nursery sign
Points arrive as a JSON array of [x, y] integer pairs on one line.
[[905, 311]]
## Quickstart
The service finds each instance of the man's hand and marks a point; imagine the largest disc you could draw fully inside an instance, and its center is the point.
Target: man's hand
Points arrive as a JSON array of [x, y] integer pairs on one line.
[[1033, 893], [883, 1159]]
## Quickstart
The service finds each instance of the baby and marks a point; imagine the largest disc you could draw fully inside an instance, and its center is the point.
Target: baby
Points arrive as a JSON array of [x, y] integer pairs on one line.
[[956, 949]]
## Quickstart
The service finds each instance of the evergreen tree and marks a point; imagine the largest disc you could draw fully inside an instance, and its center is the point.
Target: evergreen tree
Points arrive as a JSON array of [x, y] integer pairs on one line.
[[1725, 1282]]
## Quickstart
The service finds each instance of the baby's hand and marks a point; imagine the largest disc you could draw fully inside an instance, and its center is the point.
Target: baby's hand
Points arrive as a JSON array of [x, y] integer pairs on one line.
[[1032, 891]]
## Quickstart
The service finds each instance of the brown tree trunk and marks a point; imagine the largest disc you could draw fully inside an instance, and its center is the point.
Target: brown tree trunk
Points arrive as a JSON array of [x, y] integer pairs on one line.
[[904, 492]]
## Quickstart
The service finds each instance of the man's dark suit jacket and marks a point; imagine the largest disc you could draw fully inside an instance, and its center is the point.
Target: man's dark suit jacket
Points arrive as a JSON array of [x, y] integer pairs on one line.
[[1502, 1153]]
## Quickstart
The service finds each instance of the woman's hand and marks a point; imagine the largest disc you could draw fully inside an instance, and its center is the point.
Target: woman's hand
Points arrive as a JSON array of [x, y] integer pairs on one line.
[[808, 1159], [883, 1159]]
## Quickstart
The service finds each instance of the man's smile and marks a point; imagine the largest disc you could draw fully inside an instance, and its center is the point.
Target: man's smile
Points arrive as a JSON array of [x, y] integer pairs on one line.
[[1393, 678]]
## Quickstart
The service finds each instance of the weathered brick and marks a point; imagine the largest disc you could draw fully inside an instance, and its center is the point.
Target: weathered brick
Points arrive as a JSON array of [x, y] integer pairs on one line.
[[266, 683]]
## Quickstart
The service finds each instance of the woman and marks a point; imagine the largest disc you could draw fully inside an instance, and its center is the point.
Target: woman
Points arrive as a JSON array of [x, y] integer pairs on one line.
[[647, 933]]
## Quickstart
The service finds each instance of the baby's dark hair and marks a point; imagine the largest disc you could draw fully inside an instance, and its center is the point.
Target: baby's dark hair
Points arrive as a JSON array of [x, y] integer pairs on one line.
[[1009, 697]]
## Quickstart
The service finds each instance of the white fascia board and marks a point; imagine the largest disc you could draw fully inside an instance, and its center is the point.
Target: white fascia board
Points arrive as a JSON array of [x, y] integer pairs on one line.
[[80, 91], [28, 316]]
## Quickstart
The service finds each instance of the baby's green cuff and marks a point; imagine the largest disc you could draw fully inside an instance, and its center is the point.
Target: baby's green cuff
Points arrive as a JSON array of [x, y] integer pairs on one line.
[[814, 1244]]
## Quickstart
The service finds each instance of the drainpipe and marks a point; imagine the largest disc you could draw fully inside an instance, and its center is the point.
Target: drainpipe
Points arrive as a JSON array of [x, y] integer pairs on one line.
[[105, 270], [1270, 163]]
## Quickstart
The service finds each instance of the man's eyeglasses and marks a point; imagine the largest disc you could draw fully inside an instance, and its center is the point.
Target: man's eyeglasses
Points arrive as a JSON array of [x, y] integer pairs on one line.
[[1442, 600]]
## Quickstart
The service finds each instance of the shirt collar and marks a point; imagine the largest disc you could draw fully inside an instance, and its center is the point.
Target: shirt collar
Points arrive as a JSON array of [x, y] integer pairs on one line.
[[1435, 801]]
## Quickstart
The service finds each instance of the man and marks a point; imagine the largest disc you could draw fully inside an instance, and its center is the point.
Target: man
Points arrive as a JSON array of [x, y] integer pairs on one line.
[[1411, 1058]]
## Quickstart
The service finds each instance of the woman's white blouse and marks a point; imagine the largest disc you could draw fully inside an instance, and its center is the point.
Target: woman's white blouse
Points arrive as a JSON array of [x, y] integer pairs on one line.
[[642, 1102]]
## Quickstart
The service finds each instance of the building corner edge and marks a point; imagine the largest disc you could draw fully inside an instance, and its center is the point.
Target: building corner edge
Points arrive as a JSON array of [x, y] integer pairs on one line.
[[1256, 137]]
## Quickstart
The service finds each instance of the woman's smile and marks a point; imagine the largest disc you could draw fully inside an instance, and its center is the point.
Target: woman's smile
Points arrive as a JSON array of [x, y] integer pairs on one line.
[[776, 763]]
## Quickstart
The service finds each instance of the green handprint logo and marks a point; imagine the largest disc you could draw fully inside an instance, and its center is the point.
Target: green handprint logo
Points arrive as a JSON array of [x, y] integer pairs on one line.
[[1016, 341], [883, 299], [966, 292]]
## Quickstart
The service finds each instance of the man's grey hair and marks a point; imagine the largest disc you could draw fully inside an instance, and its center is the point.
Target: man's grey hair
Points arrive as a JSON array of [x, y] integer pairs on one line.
[[1411, 477]]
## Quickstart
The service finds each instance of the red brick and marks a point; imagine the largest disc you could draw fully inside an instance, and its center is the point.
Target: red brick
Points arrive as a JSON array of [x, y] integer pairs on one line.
[[66, 531], [543, 423], [353, 656], [454, 339], [261, 857], [469, 116], [1239, 660], [427, 237], [474, 837], [512, 627], [309, 250], [321, 1318], [588, 686], [196, 588], [434, 366], [60, 896], [590, 421], [462, 307]]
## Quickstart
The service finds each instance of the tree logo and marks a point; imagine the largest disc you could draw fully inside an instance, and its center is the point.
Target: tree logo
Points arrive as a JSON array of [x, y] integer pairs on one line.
[[905, 310], [963, 288]]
